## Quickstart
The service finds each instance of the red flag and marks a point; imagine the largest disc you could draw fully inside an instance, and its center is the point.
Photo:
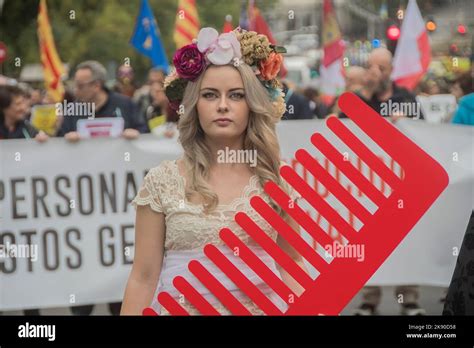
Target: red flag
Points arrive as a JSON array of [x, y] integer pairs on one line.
[[258, 24], [332, 79], [227, 24], [332, 39], [413, 54]]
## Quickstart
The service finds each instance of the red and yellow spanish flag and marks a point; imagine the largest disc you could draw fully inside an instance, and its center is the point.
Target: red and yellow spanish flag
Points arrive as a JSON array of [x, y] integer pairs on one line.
[[187, 23], [52, 66], [332, 79]]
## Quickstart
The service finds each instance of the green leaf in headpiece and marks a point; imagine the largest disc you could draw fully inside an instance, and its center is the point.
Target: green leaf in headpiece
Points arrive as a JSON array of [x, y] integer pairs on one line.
[[278, 49]]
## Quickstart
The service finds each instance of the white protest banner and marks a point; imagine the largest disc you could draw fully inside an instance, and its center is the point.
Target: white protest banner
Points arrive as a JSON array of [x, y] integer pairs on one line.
[[68, 206], [71, 201], [437, 108], [100, 127]]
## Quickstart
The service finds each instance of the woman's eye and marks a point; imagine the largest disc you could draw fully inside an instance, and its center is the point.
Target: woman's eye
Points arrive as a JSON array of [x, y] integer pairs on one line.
[[209, 95], [237, 96]]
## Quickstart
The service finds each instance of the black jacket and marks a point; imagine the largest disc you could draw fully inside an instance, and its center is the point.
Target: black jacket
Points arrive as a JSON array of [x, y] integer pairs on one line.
[[400, 95], [460, 298], [297, 106], [116, 105], [23, 130]]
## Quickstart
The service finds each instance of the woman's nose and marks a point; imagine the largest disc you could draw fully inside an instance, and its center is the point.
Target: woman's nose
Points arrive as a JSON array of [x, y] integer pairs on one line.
[[223, 106]]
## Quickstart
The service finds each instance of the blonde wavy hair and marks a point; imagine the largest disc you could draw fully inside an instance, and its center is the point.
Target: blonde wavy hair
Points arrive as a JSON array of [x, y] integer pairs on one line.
[[260, 135]]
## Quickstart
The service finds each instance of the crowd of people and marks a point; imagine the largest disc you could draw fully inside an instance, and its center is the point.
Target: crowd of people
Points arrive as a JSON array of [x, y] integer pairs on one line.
[[146, 109], [143, 110]]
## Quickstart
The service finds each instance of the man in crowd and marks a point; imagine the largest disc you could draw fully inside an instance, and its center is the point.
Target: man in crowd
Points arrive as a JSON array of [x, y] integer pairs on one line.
[[89, 86], [151, 99], [125, 81], [357, 81], [297, 105], [355, 78], [387, 91], [320, 110]]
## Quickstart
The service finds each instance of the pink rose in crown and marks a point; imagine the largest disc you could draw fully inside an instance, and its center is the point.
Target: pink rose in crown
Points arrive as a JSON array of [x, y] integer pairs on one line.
[[219, 49], [189, 62]]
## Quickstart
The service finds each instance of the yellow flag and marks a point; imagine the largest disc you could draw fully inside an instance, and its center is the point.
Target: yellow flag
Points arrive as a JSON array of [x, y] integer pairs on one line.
[[52, 66], [187, 23]]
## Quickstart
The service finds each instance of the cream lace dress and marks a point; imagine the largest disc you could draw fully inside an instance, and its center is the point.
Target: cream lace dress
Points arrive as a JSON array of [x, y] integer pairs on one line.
[[189, 229]]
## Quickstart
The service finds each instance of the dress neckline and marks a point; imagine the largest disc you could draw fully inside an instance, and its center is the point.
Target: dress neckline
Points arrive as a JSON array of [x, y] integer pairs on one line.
[[245, 194]]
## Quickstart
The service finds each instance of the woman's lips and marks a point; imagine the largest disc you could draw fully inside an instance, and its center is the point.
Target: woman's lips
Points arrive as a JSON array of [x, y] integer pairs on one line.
[[223, 121]]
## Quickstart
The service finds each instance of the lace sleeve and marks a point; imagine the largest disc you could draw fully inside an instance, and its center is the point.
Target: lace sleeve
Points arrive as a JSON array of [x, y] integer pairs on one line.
[[149, 193]]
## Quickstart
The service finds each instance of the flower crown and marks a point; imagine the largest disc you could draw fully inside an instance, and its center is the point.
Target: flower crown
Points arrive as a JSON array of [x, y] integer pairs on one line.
[[236, 47]]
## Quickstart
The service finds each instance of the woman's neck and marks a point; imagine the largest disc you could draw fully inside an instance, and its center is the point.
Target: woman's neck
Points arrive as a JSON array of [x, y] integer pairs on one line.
[[220, 151]]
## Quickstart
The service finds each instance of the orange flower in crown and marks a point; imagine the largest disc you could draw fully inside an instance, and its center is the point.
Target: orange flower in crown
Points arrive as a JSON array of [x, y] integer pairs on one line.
[[270, 67]]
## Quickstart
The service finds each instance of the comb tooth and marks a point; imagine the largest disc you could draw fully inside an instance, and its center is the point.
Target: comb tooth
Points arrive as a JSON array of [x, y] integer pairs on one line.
[[239, 279], [332, 185], [382, 132], [196, 299], [319, 203], [149, 312], [288, 233], [170, 304], [286, 262], [364, 153], [348, 169], [265, 273], [298, 214], [222, 294]]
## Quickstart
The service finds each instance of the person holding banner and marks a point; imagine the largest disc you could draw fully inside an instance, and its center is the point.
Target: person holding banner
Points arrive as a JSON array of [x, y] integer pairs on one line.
[[154, 107], [94, 100], [13, 111], [183, 204]]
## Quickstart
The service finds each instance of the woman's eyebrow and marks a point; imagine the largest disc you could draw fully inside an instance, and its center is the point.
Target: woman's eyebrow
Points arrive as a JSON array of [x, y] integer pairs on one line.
[[216, 90]]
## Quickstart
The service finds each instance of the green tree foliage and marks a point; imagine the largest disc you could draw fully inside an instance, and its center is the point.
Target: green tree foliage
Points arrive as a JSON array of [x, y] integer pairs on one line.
[[101, 30]]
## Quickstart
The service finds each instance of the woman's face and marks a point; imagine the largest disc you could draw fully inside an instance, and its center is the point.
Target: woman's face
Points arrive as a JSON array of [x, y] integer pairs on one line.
[[222, 108], [17, 109]]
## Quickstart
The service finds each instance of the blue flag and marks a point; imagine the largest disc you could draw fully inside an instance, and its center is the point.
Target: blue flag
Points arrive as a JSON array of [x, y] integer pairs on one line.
[[146, 38], [243, 21]]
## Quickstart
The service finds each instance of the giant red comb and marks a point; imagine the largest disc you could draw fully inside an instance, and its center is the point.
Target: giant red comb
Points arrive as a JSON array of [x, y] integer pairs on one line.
[[340, 280]]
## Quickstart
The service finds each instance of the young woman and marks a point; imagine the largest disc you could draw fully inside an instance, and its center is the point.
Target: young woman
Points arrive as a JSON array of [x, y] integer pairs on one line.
[[229, 101]]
